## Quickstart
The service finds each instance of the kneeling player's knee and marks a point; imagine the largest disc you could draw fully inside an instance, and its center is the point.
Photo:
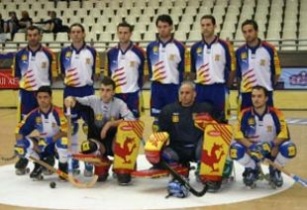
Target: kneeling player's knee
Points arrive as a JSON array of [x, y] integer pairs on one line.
[[288, 149], [22, 146], [237, 151]]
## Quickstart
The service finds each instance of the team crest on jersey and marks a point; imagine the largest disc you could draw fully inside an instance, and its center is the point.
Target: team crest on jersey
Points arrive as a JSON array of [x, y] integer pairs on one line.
[[53, 125], [217, 57], [132, 64], [98, 117], [175, 117], [24, 57], [251, 121], [172, 57], [199, 50], [262, 62], [269, 128], [155, 49], [38, 120], [244, 56], [68, 54], [44, 65], [88, 60]]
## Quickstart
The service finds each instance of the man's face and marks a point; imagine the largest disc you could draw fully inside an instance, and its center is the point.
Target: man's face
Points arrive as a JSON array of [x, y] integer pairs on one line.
[[207, 27], [44, 100], [186, 95], [259, 99], [164, 29], [124, 35], [249, 33], [33, 37], [76, 34], [106, 93]]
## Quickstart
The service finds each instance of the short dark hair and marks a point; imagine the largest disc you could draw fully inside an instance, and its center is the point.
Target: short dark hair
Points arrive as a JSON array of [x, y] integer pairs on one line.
[[250, 22], [108, 81], [78, 25], [44, 89], [259, 87], [164, 18], [33, 28], [126, 25], [211, 17]]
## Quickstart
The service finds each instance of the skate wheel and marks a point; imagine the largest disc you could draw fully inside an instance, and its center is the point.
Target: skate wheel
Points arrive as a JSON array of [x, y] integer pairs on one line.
[[40, 177], [27, 170]]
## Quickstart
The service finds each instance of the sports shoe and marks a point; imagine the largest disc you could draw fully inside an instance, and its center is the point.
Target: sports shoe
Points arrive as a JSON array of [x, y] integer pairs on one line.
[[123, 179], [276, 177]]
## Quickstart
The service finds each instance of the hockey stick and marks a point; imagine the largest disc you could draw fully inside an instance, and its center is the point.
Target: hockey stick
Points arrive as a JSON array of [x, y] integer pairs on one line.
[[296, 178], [75, 182], [71, 178], [6, 159], [93, 159], [184, 182]]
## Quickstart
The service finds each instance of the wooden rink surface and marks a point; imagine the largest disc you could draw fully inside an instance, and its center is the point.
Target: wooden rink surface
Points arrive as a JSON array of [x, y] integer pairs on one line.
[[294, 198]]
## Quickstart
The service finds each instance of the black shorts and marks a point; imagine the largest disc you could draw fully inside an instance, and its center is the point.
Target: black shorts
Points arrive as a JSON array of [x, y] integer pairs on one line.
[[107, 142]]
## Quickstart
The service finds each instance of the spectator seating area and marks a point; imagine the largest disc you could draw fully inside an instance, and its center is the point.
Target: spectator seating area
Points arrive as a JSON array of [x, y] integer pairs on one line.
[[280, 21]]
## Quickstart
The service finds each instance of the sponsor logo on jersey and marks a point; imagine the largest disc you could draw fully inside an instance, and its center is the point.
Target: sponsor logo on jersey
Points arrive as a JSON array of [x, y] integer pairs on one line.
[[24, 57], [68, 54], [98, 117], [175, 117], [88, 61], [251, 121], [44, 65], [217, 57], [244, 56]]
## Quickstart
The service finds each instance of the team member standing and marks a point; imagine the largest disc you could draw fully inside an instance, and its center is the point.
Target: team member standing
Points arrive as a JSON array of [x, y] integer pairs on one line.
[[51, 124], [258, 64], [125, 65], [213, 67], [34, 66], [166, 62], [107, 113], [261, 132], [78, 65]]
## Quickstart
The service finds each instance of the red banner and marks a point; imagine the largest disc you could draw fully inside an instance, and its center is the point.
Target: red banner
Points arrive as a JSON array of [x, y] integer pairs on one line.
[[7, 81]]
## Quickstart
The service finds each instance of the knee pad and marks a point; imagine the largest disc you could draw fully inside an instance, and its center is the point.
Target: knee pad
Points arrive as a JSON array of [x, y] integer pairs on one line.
[[237, 151], [89, 147], [154, 145], [22, 146], [288, 149], [62, 143]]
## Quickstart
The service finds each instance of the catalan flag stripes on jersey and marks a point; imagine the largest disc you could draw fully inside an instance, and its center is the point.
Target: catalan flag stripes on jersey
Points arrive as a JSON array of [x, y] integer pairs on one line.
[[78, 66], [257, 66], [33, 68], [212, 62], [166, 61], [126, 68]]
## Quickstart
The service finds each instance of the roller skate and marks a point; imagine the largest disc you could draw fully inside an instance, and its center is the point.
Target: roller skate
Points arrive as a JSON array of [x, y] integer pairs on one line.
[[36, 173], [250, 177], [21, 167], [64, 168], [276, 179], [50, 160]]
